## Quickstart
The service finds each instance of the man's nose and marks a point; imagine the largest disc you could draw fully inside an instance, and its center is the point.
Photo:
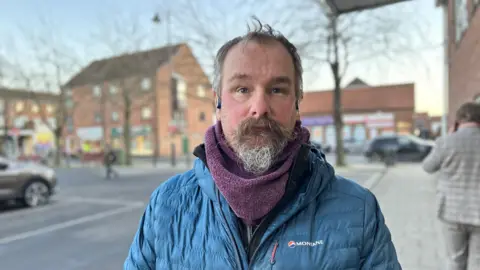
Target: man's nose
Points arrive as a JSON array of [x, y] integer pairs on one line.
[[259, 105]]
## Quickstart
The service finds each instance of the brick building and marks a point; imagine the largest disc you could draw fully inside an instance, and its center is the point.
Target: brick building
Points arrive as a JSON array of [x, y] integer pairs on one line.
[[164, 109], [462, 52], [26, 121], [368, 111]]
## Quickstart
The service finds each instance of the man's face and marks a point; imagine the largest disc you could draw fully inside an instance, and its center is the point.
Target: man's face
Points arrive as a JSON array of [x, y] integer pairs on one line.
[[258, 102]]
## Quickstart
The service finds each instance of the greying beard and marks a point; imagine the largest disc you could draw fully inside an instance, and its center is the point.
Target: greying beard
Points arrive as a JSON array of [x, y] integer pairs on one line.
[[257, 160]]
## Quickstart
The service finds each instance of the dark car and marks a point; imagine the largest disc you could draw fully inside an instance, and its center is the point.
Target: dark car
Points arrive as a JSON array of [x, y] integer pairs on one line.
[[29, 183], [323, 148], [404, 147]]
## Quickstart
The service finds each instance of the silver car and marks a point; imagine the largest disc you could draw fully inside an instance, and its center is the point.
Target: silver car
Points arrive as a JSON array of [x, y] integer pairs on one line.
[[28, 183]]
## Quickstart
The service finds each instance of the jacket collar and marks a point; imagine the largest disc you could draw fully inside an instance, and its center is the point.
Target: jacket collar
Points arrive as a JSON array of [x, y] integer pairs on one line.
[[312, 182]]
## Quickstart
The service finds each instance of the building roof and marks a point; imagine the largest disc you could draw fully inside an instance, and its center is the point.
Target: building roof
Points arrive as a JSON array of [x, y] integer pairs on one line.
[[123, 66], [372, 98], [345, 6], [356, 83], [23, 94]]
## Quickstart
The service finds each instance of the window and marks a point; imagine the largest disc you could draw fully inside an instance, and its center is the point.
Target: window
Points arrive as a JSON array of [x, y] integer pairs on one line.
[[403, 141], [476, 99], [34, 108], [49, 108], [2, 106], [146, 84], [113, 90], [201, 117], [69, 103], [146, 113], [98, 117], [19, 106], [201, 91], [69, 123], [52, 122], [461, 18], [115, 116], [19, 122], [97, 91], [181, 94]]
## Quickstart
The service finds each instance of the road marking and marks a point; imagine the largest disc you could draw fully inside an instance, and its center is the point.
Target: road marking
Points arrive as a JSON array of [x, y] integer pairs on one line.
[[27, 211], [70, 223], [78, 199]]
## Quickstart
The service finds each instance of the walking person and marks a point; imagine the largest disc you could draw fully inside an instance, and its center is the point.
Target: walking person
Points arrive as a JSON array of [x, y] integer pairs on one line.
[[456, 158], [109, 159]]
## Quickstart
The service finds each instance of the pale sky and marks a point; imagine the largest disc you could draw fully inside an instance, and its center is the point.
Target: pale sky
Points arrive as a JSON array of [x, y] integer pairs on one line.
[[77, 23]]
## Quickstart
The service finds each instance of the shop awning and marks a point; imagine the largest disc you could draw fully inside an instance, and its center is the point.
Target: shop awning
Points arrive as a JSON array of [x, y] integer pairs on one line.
[[345, 6]]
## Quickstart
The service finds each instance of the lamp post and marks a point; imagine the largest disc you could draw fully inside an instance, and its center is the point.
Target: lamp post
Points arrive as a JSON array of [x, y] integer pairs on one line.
[[157, 20]]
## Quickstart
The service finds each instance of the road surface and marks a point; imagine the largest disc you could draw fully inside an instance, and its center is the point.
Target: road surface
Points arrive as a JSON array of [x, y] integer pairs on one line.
[[89, 224]]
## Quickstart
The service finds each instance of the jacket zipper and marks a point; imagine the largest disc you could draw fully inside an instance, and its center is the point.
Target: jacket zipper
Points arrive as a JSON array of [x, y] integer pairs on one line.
[[229, 231], [274, 252]]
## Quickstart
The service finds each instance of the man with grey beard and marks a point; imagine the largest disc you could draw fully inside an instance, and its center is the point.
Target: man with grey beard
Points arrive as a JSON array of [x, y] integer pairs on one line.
[[259, 196]]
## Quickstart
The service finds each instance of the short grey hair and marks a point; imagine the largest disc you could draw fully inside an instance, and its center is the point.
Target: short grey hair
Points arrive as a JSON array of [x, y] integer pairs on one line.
[[260, 32]]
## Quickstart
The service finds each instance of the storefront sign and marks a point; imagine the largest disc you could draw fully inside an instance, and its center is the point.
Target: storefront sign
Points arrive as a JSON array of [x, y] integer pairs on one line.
[[317, 120], [90, 133], [381, 120]]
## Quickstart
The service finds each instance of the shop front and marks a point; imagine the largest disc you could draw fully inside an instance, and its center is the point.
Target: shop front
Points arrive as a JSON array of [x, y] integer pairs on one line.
[[357, 127], [141, 139]]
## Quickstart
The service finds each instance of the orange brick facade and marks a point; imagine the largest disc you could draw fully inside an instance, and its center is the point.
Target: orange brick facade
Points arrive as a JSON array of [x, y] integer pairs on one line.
[[198, 113], [464, 57]]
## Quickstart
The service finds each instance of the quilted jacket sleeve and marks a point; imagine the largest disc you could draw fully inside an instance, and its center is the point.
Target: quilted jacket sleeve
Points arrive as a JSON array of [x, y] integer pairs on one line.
[[433, 162], [141, 255], [378, 252]]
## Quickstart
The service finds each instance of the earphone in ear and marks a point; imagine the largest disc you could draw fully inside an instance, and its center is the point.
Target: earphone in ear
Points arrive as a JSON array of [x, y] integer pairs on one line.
[[219, 104], [296, 105]]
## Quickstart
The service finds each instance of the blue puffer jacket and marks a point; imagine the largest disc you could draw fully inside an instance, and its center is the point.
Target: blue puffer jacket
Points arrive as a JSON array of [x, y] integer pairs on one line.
[[332, 223]]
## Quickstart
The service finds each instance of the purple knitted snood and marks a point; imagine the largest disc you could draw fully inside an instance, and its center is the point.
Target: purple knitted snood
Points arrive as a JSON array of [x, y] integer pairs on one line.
[[250, 197]]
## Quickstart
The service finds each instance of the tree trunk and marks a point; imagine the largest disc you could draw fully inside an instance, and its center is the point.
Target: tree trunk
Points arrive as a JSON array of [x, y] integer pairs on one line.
[[58, 150], [337, 97], [127, 140]]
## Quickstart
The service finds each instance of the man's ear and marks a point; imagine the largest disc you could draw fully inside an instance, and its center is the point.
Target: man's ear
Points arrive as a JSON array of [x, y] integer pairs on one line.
[[218, 101]]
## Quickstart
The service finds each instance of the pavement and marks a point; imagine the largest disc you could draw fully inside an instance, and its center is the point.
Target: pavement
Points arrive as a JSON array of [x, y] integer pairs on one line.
[[91, 221], [406, 196]]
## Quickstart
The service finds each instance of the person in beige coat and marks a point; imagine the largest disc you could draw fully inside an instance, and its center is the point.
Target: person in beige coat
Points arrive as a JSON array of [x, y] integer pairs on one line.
[[456, 158]]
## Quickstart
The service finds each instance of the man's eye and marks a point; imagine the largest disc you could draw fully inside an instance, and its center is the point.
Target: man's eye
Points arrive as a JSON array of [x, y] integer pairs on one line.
[[242, 90], [277, 90]]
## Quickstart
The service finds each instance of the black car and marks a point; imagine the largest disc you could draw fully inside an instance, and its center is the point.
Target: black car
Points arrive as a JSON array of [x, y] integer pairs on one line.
[[323, 148], [405, 148]]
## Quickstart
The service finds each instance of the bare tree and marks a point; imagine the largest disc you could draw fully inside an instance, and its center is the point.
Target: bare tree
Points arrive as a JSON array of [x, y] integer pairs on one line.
[[206, 27], [45, 63], [370, 36]]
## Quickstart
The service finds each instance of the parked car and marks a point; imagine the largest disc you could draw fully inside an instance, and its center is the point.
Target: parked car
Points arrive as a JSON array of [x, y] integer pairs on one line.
[[405, 147], [353, 146], [324, 148], [26, 182]]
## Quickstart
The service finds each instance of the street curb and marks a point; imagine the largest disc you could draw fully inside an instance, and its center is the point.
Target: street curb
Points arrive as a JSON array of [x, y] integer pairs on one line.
[[374, 180]]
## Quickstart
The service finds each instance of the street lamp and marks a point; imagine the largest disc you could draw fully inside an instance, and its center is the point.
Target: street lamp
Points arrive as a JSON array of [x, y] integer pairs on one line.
[[156, 19]]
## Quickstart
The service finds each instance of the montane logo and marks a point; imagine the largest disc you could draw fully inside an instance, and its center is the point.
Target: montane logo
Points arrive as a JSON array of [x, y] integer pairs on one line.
[[293, 244]]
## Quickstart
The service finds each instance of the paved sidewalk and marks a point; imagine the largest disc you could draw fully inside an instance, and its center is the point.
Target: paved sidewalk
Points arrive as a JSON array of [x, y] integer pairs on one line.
[[407, 197]]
